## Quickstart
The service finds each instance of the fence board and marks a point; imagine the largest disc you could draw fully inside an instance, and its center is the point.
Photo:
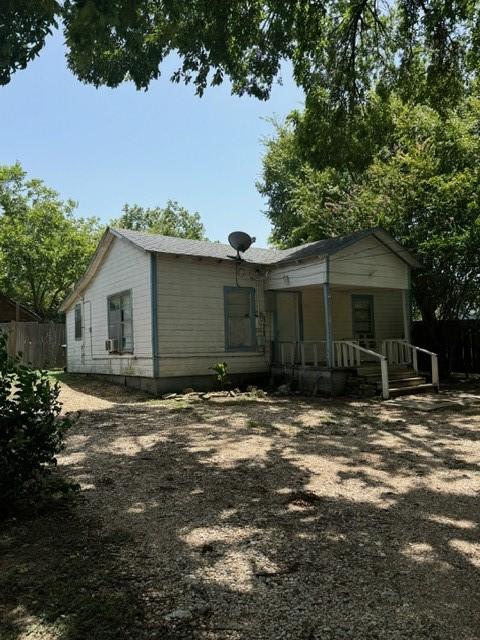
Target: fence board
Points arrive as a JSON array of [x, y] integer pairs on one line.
[[39, 344], [457, 343]]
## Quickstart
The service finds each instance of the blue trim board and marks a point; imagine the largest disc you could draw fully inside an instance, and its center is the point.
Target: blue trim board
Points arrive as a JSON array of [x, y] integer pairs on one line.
[[327, 305], [153, 312], [253, 331]]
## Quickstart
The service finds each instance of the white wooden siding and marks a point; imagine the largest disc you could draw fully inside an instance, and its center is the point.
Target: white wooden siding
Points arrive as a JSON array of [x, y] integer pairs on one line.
[[294, 276], [368, 263], [124, 268], [191, 321], [388, 313]]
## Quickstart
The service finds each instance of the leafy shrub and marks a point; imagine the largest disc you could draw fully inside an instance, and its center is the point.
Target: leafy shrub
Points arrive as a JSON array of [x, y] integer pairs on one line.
[[31, 431], [221, 373]]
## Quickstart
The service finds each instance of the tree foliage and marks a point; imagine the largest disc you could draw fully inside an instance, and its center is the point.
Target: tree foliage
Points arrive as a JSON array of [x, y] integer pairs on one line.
[[343, 46], [44, 248], [31, 431], [24, 26], [171, 220], [421, 182]]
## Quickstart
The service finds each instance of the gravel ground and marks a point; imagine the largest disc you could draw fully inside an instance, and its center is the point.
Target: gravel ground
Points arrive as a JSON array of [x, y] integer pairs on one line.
[[268, 518]]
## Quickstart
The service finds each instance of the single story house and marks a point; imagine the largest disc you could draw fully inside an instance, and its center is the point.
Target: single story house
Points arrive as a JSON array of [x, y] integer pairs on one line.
[[159, 312], [13, 310]]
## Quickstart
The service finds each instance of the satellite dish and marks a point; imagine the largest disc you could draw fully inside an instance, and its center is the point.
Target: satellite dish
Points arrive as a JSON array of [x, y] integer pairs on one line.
[[240, 241]]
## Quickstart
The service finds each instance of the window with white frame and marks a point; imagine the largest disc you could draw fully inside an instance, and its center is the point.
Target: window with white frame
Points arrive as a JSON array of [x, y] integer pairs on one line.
[[120, 321], [78, 321], [239, 305]]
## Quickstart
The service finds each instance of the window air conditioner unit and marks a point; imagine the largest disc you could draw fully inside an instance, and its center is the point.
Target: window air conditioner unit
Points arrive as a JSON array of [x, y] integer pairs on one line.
[[111, 345]]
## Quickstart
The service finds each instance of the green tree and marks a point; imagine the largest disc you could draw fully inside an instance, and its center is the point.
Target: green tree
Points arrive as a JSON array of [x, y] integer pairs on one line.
[[171, 220], [426, 191], [422, 184], [343, 46], [44, 248]]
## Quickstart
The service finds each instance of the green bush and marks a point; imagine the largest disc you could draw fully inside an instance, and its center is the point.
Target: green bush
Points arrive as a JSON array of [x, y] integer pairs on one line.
[[31, 431]]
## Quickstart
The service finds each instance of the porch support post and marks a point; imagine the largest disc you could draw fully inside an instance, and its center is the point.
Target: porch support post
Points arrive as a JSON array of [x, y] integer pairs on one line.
[[407, 309], [327, 305], [153, 312], [406, 314]]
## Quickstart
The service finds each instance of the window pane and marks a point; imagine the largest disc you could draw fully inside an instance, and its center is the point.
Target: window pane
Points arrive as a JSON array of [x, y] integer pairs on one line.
[[120, 322], [114, 331], [239, 303], [239, 332], [363, 317], [127, 338], [239, 318], [78, 321]]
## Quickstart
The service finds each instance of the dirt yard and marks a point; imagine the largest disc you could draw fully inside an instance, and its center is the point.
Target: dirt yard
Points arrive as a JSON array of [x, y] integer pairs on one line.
[[253, 518]]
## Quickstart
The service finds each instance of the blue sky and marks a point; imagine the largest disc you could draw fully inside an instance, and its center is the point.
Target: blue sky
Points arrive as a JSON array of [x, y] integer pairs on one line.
[[105, 147]]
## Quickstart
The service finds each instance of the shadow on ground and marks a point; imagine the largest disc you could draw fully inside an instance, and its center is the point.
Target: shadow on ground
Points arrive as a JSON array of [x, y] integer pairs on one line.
[[98, 387], [274, 519]]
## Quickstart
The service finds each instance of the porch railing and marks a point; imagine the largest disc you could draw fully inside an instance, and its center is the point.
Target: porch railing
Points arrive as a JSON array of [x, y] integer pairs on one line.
[[362, 353], [350, 354], [345, 355], [397, 351], [402, 352], [314, 353]]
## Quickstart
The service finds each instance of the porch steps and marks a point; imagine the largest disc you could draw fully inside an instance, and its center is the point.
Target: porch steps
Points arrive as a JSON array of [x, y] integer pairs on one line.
[[404, 391], [372, 371], [402, 380]]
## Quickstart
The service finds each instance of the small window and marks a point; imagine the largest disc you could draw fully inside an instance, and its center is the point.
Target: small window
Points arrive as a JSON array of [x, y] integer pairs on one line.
[[239, 318], [363, 319], [120, 321], [78, 321]]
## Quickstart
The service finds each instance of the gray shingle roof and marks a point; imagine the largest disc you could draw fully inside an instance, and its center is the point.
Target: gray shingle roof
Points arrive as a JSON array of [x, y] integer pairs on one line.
[[197, 248], [255, 255]]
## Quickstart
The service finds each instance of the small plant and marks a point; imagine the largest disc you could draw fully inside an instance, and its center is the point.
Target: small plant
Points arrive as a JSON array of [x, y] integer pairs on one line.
[[221, 373], [31, 431]]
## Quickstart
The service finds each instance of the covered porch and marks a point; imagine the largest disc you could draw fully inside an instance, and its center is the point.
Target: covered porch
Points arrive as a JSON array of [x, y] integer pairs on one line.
[[347, 311], [348, 331]]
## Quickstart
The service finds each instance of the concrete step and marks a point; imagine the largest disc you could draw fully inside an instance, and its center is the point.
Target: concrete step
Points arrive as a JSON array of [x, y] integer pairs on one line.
[[410, 381], [403, 391]]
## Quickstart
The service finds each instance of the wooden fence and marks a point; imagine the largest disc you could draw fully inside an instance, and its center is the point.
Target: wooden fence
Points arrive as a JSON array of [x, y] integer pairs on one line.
[[457, 343], [38, 344]]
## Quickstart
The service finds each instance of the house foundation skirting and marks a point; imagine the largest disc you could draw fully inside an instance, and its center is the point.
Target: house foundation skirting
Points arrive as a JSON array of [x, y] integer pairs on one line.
[[158, 386], [321, 380]]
